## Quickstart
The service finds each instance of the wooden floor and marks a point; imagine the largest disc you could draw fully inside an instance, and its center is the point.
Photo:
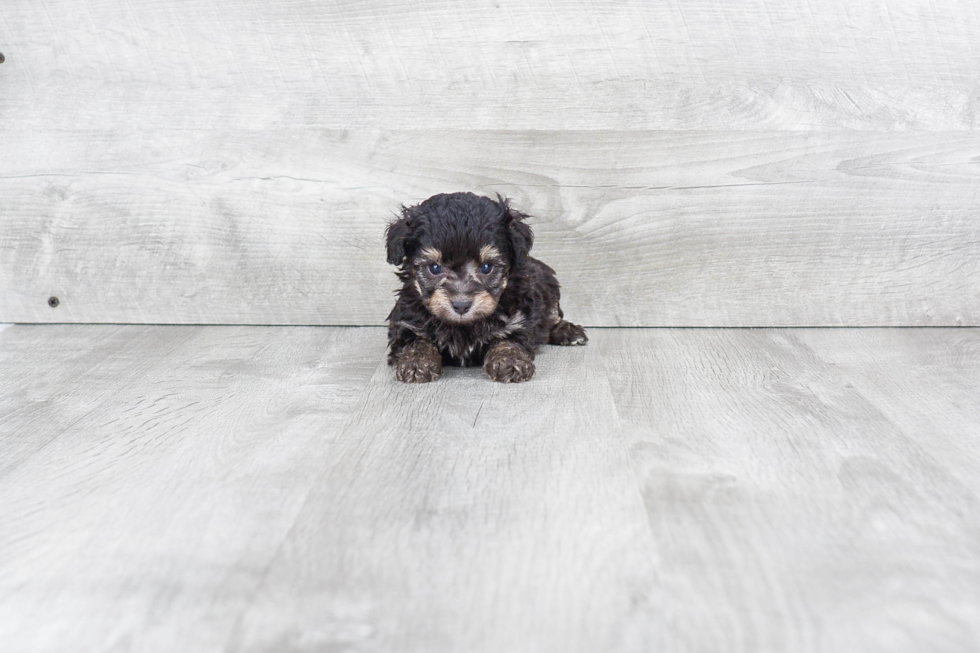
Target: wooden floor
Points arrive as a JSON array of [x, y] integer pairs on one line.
[[275, 490]]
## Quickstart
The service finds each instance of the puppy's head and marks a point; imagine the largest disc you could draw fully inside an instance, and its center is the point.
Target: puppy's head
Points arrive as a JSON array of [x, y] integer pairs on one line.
[[457, 251]]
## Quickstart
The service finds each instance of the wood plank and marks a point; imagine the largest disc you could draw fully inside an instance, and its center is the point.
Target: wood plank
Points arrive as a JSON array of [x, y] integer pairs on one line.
[[789, 512], [270, 489], [161, 496], [644, 228], [925, 379], [465, 515], [140, 67], [55, 377]]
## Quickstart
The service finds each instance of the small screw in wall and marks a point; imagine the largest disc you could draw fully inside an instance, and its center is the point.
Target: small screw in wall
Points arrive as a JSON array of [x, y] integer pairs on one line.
[[1, 57], [53, 302]]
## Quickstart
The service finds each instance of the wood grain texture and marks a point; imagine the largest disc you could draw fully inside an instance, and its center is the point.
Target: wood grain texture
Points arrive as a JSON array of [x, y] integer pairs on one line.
[[466, 515], [789, 510], [644, 228], [273, 489], [139, 66], [707, 164], [925, 379], [149, 474]]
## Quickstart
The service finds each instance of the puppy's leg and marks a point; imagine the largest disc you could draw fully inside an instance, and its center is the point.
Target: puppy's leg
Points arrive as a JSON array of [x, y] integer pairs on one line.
[[508, 362], [419, 362], [566, 333], [562, 332]]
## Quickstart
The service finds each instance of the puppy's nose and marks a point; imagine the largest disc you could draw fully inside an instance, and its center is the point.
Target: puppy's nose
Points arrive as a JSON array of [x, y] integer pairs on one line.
[[462, 305]]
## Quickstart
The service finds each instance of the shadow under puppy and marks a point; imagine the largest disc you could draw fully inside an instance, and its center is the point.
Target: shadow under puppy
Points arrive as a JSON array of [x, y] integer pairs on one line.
[[471, 295]]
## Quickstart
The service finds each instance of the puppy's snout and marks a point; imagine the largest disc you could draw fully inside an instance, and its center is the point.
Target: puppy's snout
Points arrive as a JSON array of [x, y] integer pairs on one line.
[[462, 305]]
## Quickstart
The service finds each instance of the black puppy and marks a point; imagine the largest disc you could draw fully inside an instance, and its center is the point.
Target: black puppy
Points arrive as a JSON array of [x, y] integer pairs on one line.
[[470, 294]]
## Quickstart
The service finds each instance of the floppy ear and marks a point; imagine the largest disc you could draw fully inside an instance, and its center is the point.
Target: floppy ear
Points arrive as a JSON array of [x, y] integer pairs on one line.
[[519, 234], [398, 235]]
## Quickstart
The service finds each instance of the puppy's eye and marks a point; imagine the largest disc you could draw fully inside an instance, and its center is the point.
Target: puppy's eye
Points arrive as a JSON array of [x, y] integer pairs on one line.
[[435, 268], [486, 268]]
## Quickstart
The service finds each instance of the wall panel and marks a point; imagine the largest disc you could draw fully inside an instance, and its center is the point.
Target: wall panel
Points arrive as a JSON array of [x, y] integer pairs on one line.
[[712, 164]]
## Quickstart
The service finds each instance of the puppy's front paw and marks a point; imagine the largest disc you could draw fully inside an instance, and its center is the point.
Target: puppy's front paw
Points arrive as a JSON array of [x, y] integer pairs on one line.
[[420, 362], [417, 371], [508, 363], [566, 333]]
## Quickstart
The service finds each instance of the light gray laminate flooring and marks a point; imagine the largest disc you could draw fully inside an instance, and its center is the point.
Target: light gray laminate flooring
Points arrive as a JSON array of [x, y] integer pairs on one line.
[[274, 489]]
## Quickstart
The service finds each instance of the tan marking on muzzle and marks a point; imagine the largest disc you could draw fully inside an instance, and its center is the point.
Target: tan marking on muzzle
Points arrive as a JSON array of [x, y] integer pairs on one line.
[[483, 305], [441, 305]]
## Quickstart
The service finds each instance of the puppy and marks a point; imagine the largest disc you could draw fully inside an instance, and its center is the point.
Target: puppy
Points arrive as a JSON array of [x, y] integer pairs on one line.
[[470, 293]]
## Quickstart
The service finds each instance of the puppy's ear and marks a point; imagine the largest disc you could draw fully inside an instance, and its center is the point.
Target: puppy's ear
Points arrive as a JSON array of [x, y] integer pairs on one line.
[[519, 234], [399, 235]]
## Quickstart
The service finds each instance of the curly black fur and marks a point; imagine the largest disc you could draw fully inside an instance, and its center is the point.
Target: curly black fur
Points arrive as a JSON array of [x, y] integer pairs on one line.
[[460, 249]]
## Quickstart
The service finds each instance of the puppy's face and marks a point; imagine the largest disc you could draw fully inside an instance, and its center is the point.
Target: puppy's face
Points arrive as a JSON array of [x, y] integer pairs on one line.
[[456, 251], [460, 290]]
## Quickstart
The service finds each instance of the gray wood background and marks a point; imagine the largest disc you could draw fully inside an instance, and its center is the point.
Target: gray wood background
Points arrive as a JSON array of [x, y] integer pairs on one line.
[[719, 163]]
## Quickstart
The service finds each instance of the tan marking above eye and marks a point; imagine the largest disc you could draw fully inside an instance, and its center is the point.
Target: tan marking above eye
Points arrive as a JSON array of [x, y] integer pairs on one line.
[[489, 252], [432, 255]]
